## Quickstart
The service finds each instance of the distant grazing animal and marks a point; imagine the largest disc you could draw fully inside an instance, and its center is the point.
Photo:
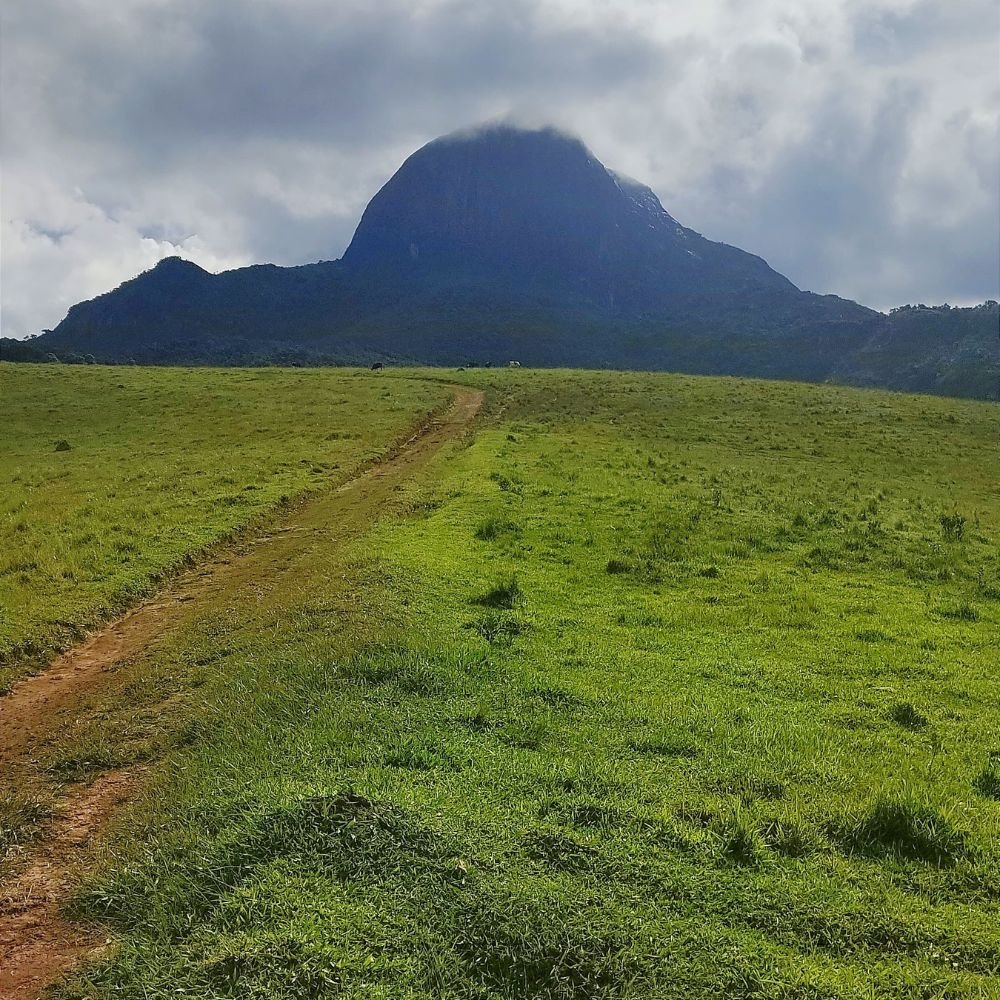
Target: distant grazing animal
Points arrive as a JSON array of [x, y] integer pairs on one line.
[[378, 366], [513, 364]]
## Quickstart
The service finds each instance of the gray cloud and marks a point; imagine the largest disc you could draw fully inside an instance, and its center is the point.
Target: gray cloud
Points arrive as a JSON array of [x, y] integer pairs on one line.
[[853, 143]]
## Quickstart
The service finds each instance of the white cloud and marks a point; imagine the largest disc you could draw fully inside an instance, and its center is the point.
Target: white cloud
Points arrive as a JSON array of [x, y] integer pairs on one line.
[[853, 143]]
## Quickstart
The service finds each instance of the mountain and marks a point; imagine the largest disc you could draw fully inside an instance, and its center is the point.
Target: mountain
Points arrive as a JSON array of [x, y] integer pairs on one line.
[[538, 208], [507, 243]]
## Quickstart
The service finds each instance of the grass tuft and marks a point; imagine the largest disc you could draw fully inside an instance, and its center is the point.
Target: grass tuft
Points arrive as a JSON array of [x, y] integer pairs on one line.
[[987, 782], [498, 629], [274, 968], [535, 952], [557, 697], [872, 635], [20, 819], [667, 746], [791, 837], [905, 827], [558, 850], [415, 756], [740, 840], [750, 787], [952, 526], [410, 671], [906, 715], [963, 612], [494, 527]]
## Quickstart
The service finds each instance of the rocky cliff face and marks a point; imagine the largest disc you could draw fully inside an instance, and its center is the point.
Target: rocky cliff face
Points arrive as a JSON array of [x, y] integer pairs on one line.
[[538, 205], [501, 196]]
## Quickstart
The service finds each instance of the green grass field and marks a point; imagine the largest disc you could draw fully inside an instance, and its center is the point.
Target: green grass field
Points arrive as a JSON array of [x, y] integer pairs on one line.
[[114, 477], [660, 686]]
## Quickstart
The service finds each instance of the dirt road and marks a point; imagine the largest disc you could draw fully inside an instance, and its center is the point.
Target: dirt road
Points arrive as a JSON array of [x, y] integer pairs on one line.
[[37, 945]]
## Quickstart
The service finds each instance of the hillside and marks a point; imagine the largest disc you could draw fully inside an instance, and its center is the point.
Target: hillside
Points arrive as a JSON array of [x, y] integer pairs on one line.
[[639, 687], [511, 243], [938, 349]]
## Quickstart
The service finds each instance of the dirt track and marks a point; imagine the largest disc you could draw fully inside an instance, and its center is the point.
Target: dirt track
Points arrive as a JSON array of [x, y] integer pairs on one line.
[[37, 945]]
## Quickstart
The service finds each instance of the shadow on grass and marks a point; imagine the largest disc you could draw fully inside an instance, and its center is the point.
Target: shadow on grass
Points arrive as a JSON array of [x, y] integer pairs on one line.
[[901, 826]]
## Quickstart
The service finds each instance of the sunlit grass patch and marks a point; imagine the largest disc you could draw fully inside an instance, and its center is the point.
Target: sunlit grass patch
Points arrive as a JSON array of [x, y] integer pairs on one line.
[[118, 476]]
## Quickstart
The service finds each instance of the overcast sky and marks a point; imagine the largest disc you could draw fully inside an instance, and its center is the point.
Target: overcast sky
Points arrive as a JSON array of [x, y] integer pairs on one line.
[[855, 144]]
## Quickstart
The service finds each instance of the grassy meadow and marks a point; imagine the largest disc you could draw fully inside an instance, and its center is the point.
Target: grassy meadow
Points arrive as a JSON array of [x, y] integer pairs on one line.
[[656, 687], [114, 477]]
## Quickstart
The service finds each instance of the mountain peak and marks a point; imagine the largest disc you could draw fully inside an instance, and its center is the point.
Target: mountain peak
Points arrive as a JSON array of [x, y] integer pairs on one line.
[[501, 136], [535, 207], [498, 194], [177, 265]]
